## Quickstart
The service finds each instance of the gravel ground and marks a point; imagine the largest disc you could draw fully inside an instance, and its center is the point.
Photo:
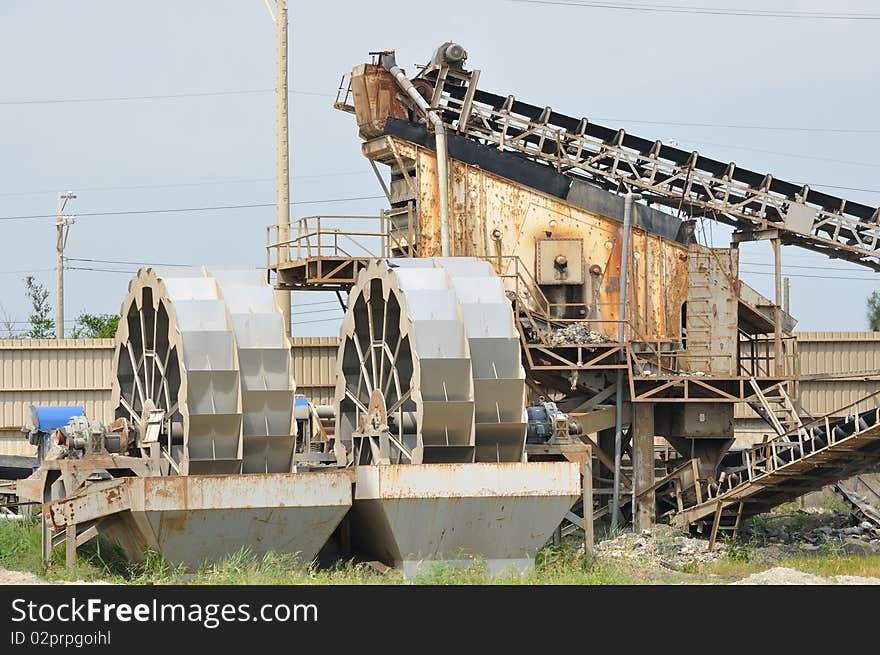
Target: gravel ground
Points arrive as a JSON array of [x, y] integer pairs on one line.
[[20, 577], [779, 575]]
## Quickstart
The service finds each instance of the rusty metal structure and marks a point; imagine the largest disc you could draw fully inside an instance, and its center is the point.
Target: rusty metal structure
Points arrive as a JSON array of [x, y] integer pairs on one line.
[[529, 314], [624, 320]]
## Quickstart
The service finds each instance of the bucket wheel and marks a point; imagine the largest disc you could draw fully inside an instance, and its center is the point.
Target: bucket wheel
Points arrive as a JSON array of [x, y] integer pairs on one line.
[[428, 369], [207, 348]]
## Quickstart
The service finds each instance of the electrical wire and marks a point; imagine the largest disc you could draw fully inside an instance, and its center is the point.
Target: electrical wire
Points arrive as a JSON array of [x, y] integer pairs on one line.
[[116, 261], [319, 320], [711, 11], [189, 209], [781, 128], [875, 280], [165, 96], [816, 268], [183, 184]]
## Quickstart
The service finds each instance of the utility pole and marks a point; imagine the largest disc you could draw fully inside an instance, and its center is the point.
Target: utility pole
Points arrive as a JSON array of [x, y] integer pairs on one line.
[[282, 149], [61, 223]]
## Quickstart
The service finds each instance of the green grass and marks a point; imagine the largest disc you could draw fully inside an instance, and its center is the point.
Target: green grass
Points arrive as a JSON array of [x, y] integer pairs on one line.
[[20, 551], [562, 565]]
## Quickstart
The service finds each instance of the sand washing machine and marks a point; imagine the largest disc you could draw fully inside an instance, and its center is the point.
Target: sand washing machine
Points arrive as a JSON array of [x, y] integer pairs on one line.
[[202, 457]]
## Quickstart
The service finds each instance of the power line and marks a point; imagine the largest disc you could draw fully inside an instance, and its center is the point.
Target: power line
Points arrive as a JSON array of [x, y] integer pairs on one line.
[[181, 184], [99, 270], [783, 154], [114, 261], [783, 128], [316, 311], [165, 96], [713, 11], [319, 320], [190, 209], [28, 270], [816, 268], [875, 280]]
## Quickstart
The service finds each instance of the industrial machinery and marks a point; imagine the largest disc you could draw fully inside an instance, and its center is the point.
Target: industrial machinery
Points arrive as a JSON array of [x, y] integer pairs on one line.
[[202, 456], [630, 326], [534, 298]]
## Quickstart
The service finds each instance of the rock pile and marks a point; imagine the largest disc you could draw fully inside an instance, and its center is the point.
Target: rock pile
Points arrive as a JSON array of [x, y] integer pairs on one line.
[[662, 544], [812, 531], [575, 334]]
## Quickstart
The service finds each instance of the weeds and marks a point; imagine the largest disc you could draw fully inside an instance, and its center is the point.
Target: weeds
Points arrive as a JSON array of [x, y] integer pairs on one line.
[[554, 565]]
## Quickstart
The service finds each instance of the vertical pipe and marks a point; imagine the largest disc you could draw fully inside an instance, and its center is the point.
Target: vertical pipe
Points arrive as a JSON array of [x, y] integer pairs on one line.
[[442, 184], [282, 155], [777, 314], [442, 152], [587, 473], [621, 335]]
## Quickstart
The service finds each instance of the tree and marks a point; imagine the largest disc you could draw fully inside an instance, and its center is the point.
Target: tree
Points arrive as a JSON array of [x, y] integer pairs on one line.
[[41, 326], [874, 311], [95, 326], [7, 324]]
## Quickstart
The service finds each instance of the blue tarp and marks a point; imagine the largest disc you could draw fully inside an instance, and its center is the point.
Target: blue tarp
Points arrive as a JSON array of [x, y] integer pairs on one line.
[[50, 418]]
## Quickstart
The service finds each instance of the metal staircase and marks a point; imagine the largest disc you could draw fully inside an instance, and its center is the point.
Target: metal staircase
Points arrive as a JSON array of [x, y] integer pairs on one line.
[[777, 408]]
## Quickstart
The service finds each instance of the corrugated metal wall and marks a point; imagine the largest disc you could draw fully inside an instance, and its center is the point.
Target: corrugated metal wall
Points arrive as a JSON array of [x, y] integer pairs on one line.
[[855, 354], [314, 367], [77, 372], [50, 372]]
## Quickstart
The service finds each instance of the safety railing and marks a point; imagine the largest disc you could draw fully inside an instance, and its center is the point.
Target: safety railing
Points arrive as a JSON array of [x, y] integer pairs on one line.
[[391, 233], [769, 456], [757, 356]]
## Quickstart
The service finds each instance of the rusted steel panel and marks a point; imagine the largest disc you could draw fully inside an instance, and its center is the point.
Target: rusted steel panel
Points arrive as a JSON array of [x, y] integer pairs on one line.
[[375, 99], [469, 480], [428, 204], [490, 215], [100, 500], [230, 492], [194, 519]]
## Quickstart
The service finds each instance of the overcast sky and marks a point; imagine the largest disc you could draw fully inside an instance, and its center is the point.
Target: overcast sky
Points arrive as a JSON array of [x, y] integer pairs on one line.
[[616, 67]]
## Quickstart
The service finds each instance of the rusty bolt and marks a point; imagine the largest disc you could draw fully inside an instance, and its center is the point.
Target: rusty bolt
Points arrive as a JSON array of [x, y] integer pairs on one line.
[[496, 234], [595, 269], [561, 261]]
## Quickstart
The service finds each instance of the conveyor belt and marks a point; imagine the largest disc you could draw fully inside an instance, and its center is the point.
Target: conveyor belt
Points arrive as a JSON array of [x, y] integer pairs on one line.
[[785, 468], [697, 185]]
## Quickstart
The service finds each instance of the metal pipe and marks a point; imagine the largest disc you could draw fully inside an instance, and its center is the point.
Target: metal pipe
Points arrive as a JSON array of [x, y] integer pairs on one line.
[[621, 334], [442, 152]]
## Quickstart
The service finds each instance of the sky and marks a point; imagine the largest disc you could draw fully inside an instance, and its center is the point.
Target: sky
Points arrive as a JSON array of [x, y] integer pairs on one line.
[[621, 68]]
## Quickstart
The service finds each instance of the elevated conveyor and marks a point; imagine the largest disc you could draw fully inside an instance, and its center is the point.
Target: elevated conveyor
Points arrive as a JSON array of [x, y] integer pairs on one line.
[[788, 466], [586, 152]]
